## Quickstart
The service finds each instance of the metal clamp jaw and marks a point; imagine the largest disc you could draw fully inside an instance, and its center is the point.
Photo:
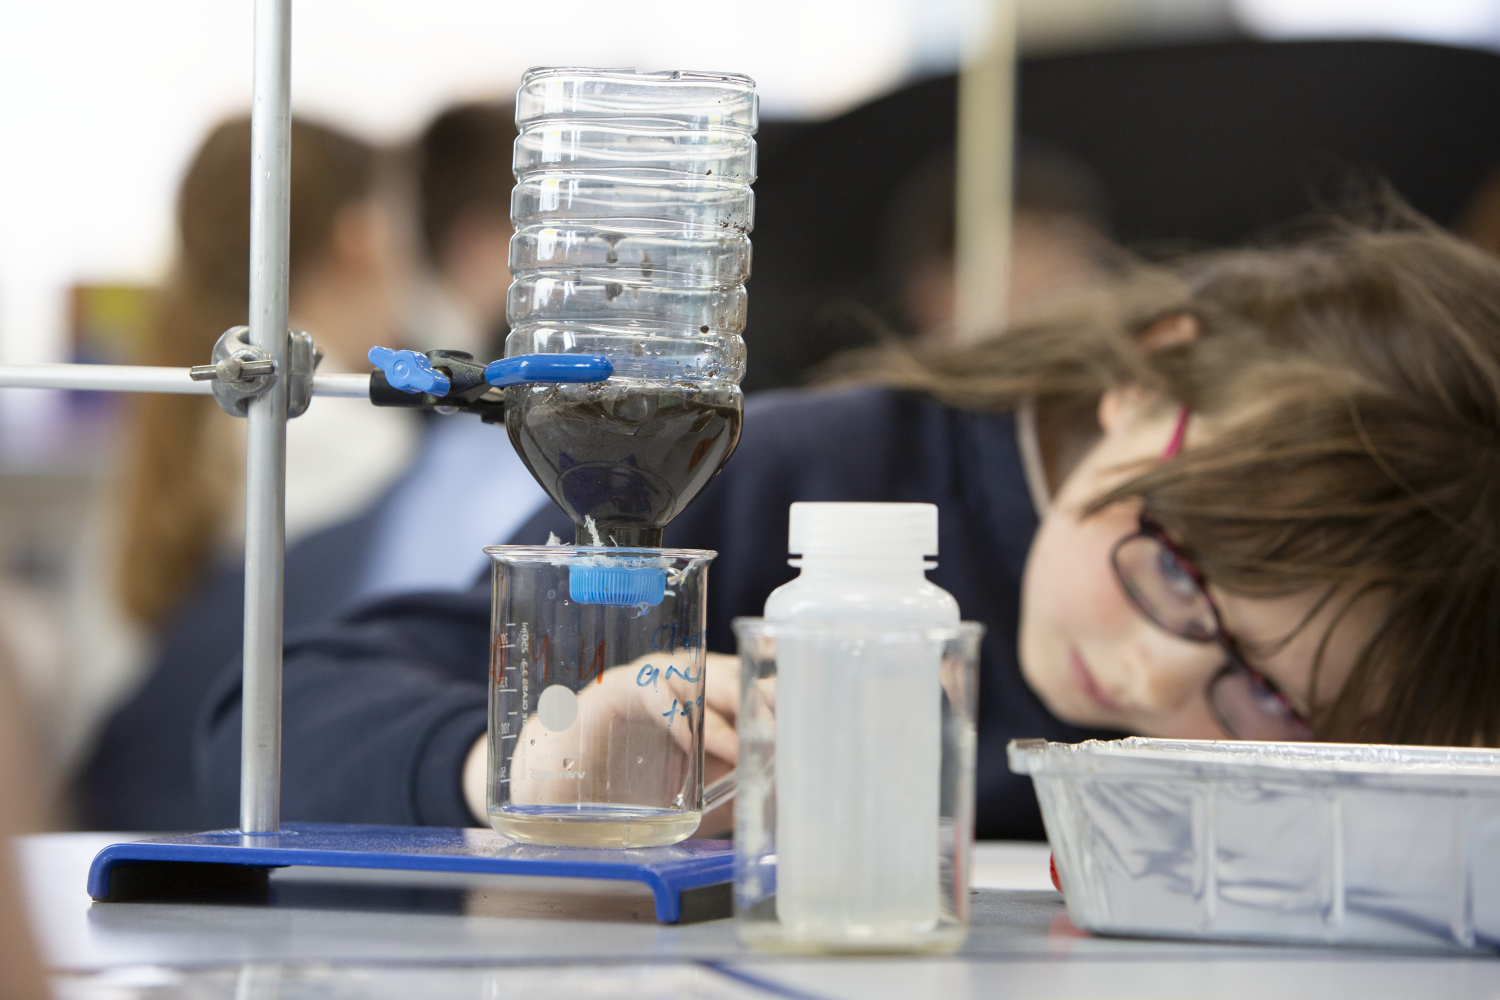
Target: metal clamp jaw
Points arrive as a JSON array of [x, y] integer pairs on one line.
[[452, 381], [466, 389], [241, 373]]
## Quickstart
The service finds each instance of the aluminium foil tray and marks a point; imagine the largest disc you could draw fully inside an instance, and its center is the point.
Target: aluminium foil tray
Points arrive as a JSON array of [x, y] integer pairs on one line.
[[1304, 843]]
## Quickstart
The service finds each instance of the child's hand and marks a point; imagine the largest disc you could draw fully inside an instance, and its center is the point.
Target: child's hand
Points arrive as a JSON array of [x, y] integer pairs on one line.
[[721, 697], [642, 708], [721, 742]]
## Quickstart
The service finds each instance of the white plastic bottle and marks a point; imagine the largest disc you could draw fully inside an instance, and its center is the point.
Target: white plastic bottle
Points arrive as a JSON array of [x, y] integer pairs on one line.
[[858, 727]]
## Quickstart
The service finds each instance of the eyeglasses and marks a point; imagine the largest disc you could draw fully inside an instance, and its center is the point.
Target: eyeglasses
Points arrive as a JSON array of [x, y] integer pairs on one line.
[[1169, 590]]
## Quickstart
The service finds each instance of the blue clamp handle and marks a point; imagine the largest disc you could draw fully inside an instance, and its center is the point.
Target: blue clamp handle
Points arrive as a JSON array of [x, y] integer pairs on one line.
[[409, 371], [548, 368]]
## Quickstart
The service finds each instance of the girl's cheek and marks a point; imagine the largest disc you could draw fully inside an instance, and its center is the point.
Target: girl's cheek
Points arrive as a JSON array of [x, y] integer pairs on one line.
[[1070, 581]]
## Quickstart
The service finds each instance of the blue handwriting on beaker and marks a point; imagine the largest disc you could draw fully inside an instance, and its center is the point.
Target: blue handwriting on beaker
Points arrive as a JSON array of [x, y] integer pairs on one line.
[[647, 675], [675, 639], [683, 709]]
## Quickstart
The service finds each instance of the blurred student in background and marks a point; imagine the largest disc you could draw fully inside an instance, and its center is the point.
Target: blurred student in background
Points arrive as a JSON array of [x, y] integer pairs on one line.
[[465, 475], [20, 971], [1059, 239], [463, 182], [179, 513]]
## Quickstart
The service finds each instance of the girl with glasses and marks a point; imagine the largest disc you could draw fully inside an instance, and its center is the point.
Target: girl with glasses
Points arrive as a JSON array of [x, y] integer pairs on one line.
[[1281, 522]]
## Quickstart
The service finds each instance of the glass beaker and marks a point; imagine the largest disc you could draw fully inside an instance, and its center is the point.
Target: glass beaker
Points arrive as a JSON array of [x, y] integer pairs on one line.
[[596, 694], [854, 820]]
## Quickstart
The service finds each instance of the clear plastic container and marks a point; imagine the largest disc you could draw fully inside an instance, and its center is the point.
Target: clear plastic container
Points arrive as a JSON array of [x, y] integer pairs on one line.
[[596, 695], [632, 211], [884, 864]]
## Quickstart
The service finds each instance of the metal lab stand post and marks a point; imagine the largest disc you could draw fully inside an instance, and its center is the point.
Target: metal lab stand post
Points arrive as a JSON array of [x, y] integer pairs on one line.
[[265, 441]]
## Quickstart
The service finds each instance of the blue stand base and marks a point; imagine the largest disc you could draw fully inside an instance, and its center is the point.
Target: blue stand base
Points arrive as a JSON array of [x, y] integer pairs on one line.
[[690, 880]]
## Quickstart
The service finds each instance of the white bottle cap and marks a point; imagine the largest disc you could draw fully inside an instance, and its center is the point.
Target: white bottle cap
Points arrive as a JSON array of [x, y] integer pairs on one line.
[[863, 529]]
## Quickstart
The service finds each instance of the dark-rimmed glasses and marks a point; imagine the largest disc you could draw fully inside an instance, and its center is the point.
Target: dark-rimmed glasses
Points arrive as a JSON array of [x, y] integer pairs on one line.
[[1169, 590]]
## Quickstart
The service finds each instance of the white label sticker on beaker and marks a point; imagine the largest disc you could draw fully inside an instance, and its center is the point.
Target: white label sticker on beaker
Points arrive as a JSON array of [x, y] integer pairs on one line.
[[557, 707]]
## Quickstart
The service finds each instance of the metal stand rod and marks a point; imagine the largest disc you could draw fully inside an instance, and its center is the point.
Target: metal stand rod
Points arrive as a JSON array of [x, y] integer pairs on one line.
[[108, 378], [346, 386], [265, 472], [141, 378]]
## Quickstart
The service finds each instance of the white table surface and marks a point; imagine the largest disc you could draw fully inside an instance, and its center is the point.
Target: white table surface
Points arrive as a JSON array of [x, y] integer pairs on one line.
[[372, 935]]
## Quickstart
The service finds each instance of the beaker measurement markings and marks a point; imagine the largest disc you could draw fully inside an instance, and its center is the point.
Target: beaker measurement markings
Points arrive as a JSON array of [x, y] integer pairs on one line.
[[543, 657]]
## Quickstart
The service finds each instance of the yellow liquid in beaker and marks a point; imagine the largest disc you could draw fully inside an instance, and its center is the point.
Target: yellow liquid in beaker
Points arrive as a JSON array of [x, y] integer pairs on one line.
[[588, 825]]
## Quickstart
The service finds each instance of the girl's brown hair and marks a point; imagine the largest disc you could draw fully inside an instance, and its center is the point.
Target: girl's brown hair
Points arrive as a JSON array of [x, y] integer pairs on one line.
[[1353, 380], [175, 502]]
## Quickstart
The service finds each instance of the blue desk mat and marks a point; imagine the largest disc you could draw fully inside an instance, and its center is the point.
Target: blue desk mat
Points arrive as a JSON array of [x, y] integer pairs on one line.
[[694, 874]]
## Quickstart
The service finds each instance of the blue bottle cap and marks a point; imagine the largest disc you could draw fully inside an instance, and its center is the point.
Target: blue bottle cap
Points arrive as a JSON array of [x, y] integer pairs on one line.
[[622, 586]]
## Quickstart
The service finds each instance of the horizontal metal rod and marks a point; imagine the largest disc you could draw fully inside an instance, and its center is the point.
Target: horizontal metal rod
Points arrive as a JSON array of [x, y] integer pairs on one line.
[[143, 378], [108, 378], [348, 386]]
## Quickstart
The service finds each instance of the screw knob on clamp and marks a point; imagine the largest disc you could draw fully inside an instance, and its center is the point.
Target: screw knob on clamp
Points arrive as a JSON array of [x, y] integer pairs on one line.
[[409, 371]]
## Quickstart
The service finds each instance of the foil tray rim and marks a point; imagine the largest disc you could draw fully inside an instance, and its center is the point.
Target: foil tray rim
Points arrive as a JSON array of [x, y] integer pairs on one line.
[[1308, 763]]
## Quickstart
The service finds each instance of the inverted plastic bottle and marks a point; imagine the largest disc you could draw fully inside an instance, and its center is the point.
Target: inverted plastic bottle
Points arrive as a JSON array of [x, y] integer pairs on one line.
[[858, 730], [632, 211]]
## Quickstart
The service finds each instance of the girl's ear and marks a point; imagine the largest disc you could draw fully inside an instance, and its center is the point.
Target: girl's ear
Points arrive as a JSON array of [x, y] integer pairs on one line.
[[1170, 331], [1122, 403], [1119, 405]]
